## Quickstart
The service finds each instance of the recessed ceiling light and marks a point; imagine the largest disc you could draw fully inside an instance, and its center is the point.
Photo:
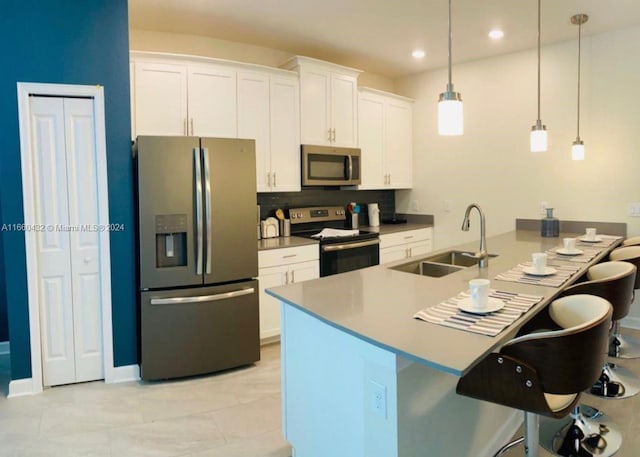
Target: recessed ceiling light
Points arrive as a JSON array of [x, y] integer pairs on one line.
[[496, 34], [418, 54]]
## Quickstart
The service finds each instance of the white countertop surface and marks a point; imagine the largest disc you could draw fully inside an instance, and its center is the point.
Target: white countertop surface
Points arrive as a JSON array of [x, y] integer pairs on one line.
[[376, 304]]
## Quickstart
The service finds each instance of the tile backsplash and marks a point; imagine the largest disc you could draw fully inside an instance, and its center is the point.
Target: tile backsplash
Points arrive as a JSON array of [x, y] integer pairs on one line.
[[386, 200]]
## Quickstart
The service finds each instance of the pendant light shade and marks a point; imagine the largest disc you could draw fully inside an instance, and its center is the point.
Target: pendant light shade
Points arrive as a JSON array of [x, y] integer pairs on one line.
[[577, 149], [450, 112], [538, 141]]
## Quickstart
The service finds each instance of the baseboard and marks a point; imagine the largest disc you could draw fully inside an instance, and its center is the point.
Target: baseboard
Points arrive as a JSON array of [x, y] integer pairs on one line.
[[504, 434], [20, 387], [631, 322], [4, 348], [125, 373], [270, 340]]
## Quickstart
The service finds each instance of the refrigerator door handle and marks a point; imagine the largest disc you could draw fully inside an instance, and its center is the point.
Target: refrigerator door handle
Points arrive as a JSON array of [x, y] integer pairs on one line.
[[198, 173], [202, 298], [207, 187]]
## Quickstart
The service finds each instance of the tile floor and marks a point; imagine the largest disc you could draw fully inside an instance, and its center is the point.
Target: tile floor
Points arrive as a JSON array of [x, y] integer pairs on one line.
[[236, 413], [232, 414]]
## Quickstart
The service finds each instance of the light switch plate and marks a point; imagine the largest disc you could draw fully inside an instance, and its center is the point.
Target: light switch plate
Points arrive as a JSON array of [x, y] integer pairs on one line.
[[634, 209]]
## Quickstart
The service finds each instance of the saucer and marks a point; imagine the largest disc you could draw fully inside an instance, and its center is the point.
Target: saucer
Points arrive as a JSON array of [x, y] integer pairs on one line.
[[494, 304], [584, 239], [533, 272], [563, 251]]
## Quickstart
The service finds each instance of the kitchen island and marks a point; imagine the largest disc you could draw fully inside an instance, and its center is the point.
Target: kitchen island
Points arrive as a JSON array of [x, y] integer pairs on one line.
[[362, 377]]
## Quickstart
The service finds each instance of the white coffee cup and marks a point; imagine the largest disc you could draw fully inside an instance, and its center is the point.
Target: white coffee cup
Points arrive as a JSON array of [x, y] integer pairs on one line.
[[479, 293], [590, 234], [569, 244], [539, 260]]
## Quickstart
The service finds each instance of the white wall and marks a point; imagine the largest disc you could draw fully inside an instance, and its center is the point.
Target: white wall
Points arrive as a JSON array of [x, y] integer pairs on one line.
[[491, 164], [147, 40]]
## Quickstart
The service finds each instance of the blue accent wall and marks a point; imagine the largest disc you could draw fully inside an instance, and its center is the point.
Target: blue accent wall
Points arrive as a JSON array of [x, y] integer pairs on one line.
[[70, 42], [4, 322]]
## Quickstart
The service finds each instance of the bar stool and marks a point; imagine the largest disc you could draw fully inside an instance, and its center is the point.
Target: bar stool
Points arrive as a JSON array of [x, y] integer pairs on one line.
[[633, 241], [614, 282], [621, 346], [543, 371]]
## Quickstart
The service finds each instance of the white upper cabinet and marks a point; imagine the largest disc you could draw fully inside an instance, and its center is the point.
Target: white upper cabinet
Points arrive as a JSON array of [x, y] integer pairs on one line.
[[253, 120], [160, 99], [184, 95], [212, 101], [328, 102], [284, 116], [385, 124], [268, 112]]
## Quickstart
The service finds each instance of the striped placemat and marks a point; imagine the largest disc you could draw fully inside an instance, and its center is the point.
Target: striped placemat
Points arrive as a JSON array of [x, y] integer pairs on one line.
[[448, 314], [588, 253], [589, 250], [563, 273], [605, 241]]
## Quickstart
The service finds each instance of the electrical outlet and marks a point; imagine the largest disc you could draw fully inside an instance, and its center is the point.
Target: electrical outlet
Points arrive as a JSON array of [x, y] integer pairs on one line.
[[378, 399], [415, 205], [543, 208], [447, 206], [634, 209]]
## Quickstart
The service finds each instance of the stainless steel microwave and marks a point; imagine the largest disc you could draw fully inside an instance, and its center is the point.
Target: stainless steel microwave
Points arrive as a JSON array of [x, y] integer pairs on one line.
[[330, 166]]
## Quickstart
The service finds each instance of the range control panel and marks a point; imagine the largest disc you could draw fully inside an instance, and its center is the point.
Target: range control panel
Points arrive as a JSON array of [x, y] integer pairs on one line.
[[317, 214]]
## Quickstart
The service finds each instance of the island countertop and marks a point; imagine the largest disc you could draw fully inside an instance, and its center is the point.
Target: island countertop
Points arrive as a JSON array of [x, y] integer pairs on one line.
[[377, 304]]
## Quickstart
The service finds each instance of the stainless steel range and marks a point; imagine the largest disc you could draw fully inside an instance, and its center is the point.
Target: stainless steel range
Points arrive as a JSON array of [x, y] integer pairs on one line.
[[343, 250]]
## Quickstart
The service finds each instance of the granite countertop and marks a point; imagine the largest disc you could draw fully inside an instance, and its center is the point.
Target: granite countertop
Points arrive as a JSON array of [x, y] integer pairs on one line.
[[294, 241], [383, 229], [284, 242], [376, 304]]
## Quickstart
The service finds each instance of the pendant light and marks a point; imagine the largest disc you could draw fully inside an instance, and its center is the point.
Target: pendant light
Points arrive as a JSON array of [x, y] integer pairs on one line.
[[450, 119], [577, 149], [538, 140]]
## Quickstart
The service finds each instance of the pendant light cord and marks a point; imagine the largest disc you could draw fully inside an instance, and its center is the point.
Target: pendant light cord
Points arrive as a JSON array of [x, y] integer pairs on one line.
[[450, 86], [539, 10], [579, 51]]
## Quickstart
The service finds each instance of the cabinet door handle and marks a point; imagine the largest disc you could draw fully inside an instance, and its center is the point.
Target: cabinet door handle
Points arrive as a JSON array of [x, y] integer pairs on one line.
[[191, 126], [410, 252], [293, 277], [408, 237], [184, 128], [286, 277], [275, 182], [329, 137], [269, 179], [334, 135], [389, 179], [289, 256]]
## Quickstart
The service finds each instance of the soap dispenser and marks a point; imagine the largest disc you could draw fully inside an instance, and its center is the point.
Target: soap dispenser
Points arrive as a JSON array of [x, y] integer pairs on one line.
[[550, 225]]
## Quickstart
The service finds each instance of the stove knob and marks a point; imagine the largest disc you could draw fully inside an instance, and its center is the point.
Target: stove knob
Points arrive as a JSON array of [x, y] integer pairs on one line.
[[341, 212], [293, 215], [299, 215]]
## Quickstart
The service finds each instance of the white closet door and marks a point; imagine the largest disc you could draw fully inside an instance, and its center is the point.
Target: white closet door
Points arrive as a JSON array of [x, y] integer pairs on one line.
[[85, 255], [66, 199], [54, 259]]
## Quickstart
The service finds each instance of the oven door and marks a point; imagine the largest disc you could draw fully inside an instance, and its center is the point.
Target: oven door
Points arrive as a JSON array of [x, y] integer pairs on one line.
[[352, 255]]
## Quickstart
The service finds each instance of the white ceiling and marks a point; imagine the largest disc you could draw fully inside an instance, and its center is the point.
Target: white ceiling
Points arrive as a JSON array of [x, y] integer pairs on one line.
[[378, 35]]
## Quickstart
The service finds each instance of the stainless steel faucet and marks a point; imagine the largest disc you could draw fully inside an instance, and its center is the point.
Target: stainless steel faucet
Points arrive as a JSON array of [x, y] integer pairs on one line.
[[482, 255]]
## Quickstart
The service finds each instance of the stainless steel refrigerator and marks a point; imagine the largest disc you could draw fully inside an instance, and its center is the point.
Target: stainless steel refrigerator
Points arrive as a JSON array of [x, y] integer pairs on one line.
[[197, 255]]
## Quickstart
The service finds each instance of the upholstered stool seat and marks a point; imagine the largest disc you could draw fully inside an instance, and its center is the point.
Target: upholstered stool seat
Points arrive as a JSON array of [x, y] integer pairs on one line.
[[621, 346], [556, 355], [633, 241]]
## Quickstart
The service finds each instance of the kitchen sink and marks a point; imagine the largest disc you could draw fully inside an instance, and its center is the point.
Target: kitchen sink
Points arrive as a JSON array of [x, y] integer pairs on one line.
[[460, 258], [439, 265]]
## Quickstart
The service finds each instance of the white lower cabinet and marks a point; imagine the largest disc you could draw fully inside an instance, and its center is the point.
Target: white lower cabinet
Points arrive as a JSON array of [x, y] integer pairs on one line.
[[404, 245], [278, 267]]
